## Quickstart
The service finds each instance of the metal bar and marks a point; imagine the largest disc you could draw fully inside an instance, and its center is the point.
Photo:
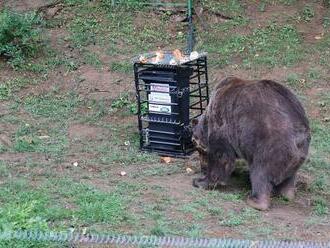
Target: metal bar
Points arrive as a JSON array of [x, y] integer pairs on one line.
[[196, 103], [138, 102], [190, 38], [163, 139], [153, 4], [199, 88], [202, 73], [165, 143], [164, 122], [196, 109], [206, 80], [196, 96], [167, 80], [161, 132]]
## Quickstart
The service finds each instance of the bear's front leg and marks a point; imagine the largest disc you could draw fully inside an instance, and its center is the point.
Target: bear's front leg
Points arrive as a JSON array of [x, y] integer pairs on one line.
[[220, 164], [209, 170], [201, 182]]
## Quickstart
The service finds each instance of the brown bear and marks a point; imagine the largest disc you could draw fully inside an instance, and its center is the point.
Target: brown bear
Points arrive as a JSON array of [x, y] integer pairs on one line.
[[261, 122]]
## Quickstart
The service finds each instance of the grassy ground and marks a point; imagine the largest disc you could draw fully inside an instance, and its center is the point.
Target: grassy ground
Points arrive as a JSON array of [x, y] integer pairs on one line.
[[67, 126]]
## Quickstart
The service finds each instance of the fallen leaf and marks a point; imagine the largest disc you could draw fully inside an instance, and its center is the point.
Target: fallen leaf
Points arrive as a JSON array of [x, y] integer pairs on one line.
[[166, 160]]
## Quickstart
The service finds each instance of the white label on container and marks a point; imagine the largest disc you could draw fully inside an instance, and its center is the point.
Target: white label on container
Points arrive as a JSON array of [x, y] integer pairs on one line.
[[160, 87], [160, 97]]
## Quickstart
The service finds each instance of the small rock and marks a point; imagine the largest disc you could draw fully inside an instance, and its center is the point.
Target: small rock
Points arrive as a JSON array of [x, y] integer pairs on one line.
[[51, 12], [322, 104], [189, 170], [166, 160], [42, 137]]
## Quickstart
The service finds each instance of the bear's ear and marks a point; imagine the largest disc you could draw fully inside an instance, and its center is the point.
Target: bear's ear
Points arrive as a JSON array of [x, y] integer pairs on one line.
[[194, 122]]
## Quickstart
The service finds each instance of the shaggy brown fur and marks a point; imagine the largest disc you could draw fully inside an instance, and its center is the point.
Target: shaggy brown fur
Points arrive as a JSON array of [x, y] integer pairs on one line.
[[260, 121]]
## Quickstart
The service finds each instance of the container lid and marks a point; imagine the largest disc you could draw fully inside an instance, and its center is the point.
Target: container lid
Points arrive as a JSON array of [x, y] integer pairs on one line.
[[175, 57]]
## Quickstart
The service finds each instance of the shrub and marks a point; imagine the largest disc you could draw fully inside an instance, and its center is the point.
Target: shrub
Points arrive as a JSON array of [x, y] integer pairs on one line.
[[20, 36]]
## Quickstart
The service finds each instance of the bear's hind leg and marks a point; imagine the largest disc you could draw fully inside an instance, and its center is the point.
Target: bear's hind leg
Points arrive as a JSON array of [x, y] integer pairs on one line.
[[261, 191], [287, 188]]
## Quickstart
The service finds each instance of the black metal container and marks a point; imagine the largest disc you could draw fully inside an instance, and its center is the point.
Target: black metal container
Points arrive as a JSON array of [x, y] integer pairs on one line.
[[168, 97]]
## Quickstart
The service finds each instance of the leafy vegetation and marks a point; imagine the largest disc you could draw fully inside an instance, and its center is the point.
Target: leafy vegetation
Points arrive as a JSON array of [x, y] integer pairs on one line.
[[20, 36]]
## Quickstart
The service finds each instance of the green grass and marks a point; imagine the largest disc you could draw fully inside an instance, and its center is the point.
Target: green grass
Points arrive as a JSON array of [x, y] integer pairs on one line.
[[118, 33], [231, 8], [84, 31], [271, 46], [89, 204], [320, 207], [122, 66], [92, 59], [297, 82], [49, 140], [322, 49], [307, 13], [23, 207], [241, 217], [320, 137], [319, 164], [12, 86], [52, 105], [314, 74]]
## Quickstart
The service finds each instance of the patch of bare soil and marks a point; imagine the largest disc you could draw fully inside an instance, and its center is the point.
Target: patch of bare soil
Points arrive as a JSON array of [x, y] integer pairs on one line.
[[21, 158], [23, 5], [278, 74], [85, 132], [7, 73], [98, 84], [316, 109], [5, 140], [277, 12], [313, 30], [4, 109]]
